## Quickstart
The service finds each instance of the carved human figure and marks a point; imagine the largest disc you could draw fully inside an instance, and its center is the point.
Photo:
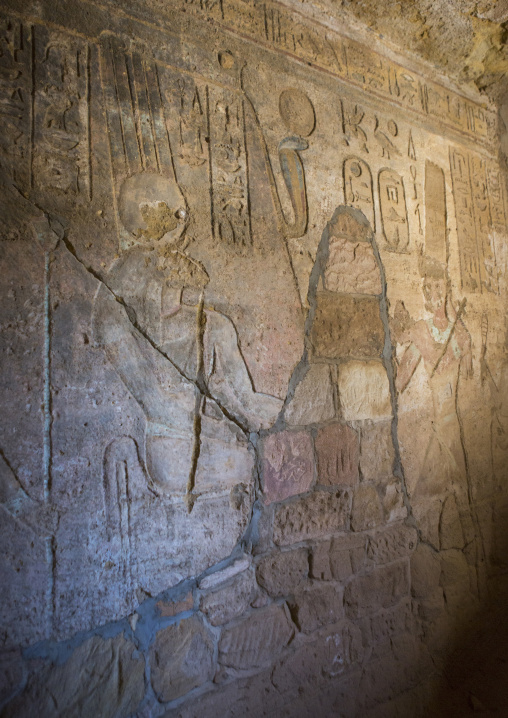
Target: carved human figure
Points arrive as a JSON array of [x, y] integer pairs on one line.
[[178, 357], [444, 344]]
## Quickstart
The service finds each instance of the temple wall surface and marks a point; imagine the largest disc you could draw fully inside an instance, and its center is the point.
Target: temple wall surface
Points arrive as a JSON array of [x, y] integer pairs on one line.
[[254, 438]]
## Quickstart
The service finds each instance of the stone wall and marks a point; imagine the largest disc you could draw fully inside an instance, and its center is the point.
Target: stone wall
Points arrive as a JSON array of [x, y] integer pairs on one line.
[[254, 440]]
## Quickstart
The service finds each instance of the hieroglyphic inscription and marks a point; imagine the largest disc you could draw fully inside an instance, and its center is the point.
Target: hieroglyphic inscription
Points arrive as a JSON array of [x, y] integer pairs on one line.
[[311, 42], [474, 222], [496, 196], [464, 212], [16, 42], [358, 191], [488, 270], [229, 174], [61, 114], [435, 212], [392, 198]]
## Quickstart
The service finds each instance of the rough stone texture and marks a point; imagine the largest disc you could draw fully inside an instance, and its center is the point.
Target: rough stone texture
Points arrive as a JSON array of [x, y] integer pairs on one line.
[[364, 391], [229, 602], [312, 402], [102, 677], [169, 609], [218, 577], [346, 326], [381, 588], [288, 465], [337, 450], [352, 268], [316, 606], [317, 515], [190, 326], [283, 573], [181, 658], [367, 512], [376, 450], [256, 640]]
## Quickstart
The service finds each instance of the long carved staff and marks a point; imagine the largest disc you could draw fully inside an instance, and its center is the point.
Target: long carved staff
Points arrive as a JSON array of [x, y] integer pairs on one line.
[[447, 343]]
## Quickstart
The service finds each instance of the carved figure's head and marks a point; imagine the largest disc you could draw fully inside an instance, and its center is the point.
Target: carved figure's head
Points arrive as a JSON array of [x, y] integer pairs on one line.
[[153, 209], [435, 282]]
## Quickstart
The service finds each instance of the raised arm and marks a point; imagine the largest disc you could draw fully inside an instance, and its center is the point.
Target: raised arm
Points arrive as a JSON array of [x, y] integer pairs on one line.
[[229, 381]]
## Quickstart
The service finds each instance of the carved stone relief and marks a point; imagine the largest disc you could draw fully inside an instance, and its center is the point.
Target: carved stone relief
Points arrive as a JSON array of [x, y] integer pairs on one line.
[[233, 323], [392, 198]]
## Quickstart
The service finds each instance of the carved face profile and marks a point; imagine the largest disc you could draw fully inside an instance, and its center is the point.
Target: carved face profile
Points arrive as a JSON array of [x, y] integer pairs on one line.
[[152, 208], [434, 282]]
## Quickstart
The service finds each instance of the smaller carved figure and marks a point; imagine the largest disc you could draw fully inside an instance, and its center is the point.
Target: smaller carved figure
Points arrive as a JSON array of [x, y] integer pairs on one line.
[[443, 343]]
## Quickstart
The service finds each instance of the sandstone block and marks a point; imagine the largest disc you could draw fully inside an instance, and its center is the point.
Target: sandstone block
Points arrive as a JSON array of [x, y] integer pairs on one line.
[[366, 512], [316, 606], [229, 602], [101, 678], [257, 640], [352, 267], [314, 516], [214, 579], [392, 622], [425, 571], [179, 605], [333, 559], [312, 402], [334, 652], [376, 450], [337, 450], [348, 224], [364, 391], [181, 659], [346, 326], [450, 527], [393, 501], [392, 544], [283, 573], [287, 464], [380, 588]]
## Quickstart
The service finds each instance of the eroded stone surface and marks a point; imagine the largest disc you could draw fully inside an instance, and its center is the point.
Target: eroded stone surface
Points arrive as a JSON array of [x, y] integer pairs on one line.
[[317, 515], [316, 606], [313, 399], [364, 391], [283, 573], [181, 658], [288, 465], [381, 588], [102, 677], [256, 640], [229, 602], [346, 326], [366, 512], [352, 268], [337, 451], [376, 450]]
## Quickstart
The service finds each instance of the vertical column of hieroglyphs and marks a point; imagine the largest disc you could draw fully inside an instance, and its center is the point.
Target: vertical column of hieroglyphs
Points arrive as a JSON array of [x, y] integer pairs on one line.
[[61, 117], [228, 169], [474, 220], [464, 212], [16, 44]]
